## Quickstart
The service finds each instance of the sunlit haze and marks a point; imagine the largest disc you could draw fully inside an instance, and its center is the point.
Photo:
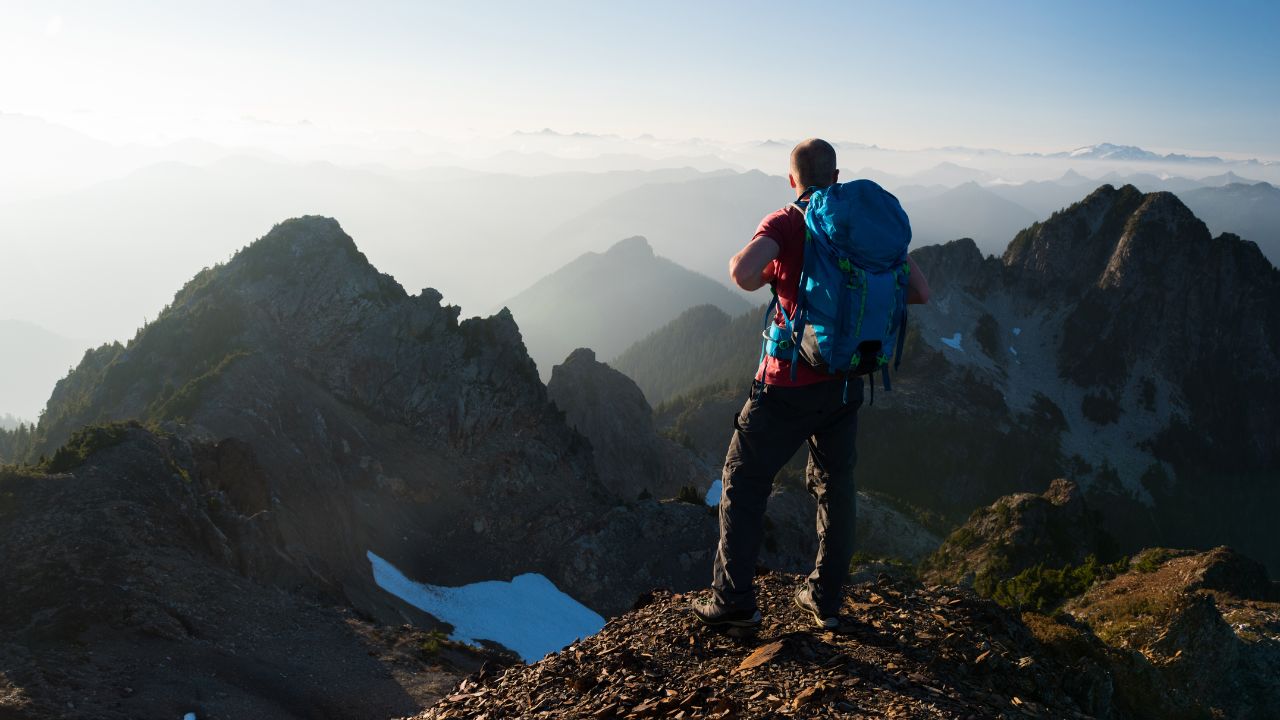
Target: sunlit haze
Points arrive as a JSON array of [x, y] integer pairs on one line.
[[1017, 76], [475, 148]]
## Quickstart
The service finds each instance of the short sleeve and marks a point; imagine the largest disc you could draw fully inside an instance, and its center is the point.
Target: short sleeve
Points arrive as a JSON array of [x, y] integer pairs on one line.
[[779, 227], [775, 226]]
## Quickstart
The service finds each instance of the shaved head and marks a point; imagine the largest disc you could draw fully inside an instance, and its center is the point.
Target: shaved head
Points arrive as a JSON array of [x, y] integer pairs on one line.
[[813, 162]]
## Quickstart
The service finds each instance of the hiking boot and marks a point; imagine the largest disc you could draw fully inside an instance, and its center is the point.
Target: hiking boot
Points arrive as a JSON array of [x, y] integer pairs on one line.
[[804, 601], [713, 614]]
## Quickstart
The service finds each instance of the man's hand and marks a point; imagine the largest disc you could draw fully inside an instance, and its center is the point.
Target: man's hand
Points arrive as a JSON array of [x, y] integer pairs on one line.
[[752, 268]]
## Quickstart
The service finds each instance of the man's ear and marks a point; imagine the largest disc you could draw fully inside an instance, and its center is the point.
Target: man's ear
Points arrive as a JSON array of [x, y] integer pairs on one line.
[[791, 179]]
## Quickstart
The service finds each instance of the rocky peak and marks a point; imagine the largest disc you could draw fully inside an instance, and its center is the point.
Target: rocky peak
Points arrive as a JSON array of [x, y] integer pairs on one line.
[[610, 410], [633, 247], [957, 264], [906, 651], [1070, 250], [1018, 531], [375, 414], [1160, 231]]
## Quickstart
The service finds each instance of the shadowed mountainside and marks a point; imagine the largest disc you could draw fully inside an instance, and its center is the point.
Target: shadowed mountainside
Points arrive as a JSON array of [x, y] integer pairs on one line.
[[143, 577]]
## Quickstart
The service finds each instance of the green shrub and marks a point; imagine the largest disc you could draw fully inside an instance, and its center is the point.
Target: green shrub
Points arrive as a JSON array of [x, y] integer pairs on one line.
[[85, 442], [1150, 560], [1043, 589], [431, 644], [186, 400]]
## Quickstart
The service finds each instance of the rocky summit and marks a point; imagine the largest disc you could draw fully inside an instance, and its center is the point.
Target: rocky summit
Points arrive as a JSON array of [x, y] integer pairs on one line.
[[1163, 634], [903, 651]]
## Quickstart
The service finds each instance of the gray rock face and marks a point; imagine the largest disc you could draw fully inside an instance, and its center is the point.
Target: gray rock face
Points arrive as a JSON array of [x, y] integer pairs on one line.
[[1018, 531], [609, 409], [137, 583]]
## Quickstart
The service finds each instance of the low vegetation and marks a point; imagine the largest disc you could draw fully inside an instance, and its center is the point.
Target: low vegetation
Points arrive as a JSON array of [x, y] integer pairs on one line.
[[85, 442], [1045, 589]]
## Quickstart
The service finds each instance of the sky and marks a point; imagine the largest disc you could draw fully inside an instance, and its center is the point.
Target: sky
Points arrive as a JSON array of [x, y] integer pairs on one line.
[[1020, 76]]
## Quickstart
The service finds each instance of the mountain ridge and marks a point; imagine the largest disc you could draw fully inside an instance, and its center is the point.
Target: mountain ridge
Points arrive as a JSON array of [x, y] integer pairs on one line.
[[603, 300]]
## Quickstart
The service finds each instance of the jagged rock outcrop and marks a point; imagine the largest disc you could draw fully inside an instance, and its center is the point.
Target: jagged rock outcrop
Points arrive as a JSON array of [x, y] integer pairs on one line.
[[133, 576], [608, 408], [1017, 532], [1183, 634], [1197, 634]]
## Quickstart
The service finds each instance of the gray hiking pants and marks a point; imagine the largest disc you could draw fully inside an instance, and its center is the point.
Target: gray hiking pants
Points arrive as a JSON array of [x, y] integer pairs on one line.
[[773, 424]]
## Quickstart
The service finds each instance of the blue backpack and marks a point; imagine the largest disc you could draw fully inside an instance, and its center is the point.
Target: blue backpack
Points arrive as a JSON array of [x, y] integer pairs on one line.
[[851, 314]]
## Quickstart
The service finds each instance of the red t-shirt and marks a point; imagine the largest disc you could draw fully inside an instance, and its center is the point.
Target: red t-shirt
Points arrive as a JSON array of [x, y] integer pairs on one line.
[[786, 227]]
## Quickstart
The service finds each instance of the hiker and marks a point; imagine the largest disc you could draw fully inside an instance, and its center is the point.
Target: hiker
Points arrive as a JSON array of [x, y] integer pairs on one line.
[[794, 401]]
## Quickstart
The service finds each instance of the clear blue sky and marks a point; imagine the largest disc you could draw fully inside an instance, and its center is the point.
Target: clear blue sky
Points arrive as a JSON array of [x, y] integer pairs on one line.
[[1015, 75]]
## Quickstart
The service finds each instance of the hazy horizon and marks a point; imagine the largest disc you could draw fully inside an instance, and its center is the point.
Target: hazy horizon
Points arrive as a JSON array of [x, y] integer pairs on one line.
[[142, 143]]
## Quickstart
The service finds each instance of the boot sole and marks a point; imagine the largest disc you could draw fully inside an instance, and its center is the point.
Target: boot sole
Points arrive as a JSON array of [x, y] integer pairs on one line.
[[818, 619]]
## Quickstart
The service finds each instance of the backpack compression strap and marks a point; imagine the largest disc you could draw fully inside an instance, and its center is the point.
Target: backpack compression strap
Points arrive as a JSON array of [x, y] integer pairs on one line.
[[797, 327]]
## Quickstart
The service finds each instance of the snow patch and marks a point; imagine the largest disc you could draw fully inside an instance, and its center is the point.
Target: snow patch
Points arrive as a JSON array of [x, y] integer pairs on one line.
[[713, 495], [529, 615], [953, 342], [1015, 352], [1017, 331]]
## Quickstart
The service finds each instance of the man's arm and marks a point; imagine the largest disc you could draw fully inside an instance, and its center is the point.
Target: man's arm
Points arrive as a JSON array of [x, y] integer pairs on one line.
[[918, 287], [752, 268]]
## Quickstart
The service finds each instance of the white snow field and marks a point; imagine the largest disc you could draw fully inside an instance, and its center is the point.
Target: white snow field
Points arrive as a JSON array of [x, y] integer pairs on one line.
[[952, 342], [713, 495], [529, 615]]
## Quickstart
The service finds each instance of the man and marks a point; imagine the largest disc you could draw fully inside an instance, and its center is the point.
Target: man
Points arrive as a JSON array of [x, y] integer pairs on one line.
[[814, 408]]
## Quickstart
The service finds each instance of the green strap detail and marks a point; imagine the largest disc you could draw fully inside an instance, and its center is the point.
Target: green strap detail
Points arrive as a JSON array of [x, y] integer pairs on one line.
[[862, 307]]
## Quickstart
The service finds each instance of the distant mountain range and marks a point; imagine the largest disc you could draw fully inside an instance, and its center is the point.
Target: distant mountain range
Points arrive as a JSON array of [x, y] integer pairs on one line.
[[605, 301], [1130, 153], [1251, 211], [473, 235], [697, 223], [33, 360], [968, 210]]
